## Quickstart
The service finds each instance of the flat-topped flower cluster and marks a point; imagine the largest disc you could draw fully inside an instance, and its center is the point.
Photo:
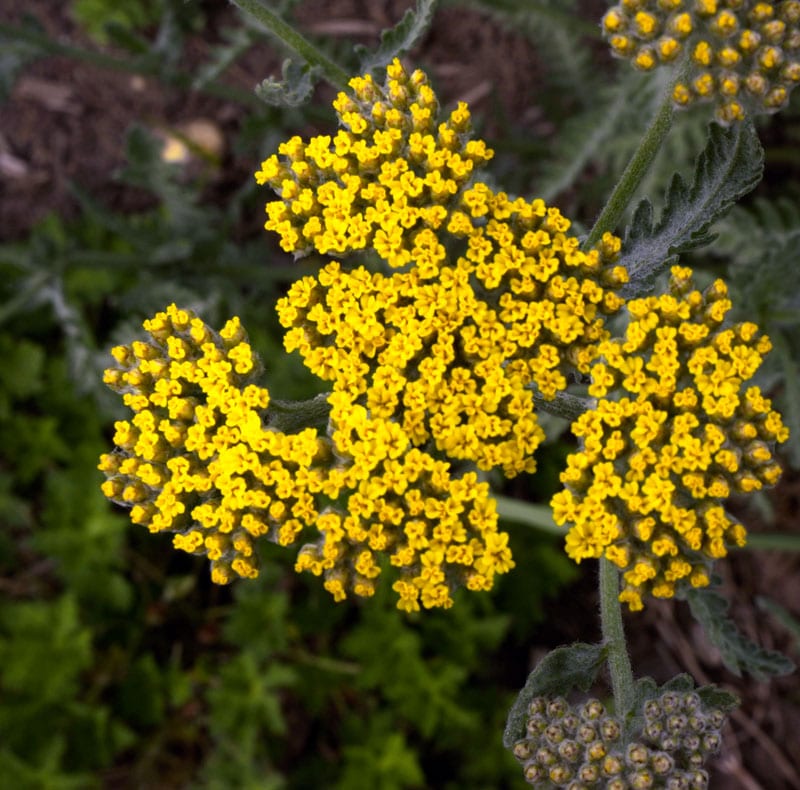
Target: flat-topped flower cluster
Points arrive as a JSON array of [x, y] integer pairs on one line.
[[742, 54], [676, 430], [486, 300], [200, 459], [447, 312]]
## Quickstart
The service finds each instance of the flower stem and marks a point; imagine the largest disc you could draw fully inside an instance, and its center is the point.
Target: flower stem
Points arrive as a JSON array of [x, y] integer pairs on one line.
[[619, 663], [292, 416], [302, 46], [564, 405], [636, 170]]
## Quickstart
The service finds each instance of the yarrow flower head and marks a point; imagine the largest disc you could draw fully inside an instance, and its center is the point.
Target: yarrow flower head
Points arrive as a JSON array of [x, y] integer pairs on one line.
[[676, 431], [201, 458], [488, 300], [383, 181], [585, 747], [744, 55], [439, 531], [196, 458]]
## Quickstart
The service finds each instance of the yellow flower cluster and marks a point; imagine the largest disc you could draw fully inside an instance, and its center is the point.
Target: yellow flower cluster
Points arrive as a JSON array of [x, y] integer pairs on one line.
[[440, 532], [445, 364], [683, 433], [196, 458], [200, 459], [453, 345], [743, 54], [383, 181]]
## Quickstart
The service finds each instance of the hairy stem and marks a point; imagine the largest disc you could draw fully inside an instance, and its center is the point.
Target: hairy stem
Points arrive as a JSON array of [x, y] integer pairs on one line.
[[637, 168], [619, 663], [292, 416], [564, 405], [302, 46]]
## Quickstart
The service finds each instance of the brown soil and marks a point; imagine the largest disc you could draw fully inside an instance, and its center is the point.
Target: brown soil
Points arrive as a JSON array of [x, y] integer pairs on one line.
[[66, 122]]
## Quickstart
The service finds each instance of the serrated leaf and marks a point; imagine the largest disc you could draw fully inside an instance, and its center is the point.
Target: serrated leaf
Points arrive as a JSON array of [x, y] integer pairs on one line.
[[715, 697], [295, 89], [400, 39], [566, 668], [739, 653], [783, 616], [728, 168]]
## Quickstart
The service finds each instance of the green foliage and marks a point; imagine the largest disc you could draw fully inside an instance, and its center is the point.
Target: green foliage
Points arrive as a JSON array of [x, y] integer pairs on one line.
[[382, 759], [739, 653], [296, 87], [56, 536], [97, 16], [728, 168], [400, 39], [560, 672]]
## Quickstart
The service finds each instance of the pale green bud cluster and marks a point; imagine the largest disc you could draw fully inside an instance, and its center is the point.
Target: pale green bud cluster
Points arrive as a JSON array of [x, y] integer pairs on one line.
[[585, 747], [743, 55]]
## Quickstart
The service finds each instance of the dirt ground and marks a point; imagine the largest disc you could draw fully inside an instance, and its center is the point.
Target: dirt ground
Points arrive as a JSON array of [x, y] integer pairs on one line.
[[66, 122]]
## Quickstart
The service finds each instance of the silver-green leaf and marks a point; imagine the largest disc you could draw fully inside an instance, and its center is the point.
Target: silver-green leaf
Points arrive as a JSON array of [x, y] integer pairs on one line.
[[729, 167], [738, 653], [566, 668], [400, 39], [295, 89]]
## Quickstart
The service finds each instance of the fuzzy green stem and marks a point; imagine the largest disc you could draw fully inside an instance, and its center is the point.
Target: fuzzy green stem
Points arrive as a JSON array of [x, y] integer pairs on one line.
[[637, 168], [292, 416], [619, 663], [302, 46], [564, 405]]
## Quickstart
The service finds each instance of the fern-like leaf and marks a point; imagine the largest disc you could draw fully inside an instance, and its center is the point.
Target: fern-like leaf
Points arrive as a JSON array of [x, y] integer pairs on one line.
[[295, 88], [728, 168], [764, 224], [739, 653], [561, 671], [584, 137], [398, 40]]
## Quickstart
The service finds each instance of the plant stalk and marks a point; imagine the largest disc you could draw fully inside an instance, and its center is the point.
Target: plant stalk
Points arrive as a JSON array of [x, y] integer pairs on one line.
[[637, 168], [292, 416], [619, 662], [302, 46]]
